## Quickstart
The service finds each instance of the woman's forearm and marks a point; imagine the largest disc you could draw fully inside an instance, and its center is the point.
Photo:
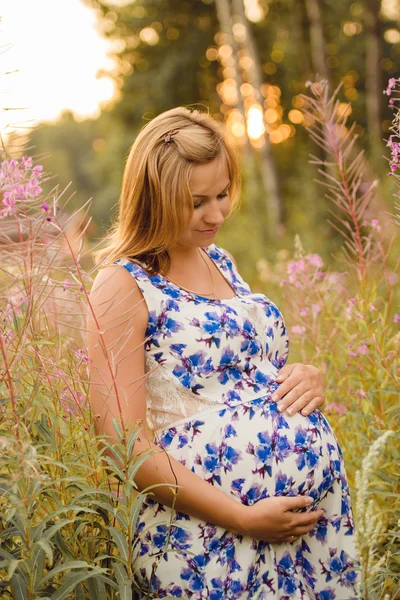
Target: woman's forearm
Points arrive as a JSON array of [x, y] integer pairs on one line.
[[195, 496]]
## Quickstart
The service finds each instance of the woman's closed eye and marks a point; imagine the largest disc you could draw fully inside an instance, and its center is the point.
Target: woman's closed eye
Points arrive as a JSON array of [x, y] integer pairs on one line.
[[221, 197]]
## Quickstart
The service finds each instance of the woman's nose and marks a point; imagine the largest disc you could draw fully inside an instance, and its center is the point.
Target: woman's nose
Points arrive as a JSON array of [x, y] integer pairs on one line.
[[214, 215]]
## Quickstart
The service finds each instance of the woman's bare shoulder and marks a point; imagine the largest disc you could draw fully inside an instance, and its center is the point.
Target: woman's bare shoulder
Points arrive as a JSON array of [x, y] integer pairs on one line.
[[114, 290]]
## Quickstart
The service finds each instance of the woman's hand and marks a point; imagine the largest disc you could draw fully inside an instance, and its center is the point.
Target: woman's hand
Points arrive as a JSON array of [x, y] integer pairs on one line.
[[273, 520], [303, 389]]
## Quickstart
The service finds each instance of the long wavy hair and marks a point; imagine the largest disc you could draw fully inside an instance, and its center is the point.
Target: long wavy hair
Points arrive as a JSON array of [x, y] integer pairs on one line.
[[155, 204]]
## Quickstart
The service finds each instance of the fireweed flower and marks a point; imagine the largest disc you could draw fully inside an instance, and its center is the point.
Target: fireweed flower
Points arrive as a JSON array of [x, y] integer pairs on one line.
[[315, 260], [390, 86], [299, 329], [337, 408], [66, 284], [363, 349], [19, 183], [396, 318]]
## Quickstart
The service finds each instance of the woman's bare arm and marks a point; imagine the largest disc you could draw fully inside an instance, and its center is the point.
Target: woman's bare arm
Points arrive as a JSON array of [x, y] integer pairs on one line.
[[122, 316]]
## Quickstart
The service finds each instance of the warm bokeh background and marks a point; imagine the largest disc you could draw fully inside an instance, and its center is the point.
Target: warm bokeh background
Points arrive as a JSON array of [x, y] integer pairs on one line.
[[246, 62]]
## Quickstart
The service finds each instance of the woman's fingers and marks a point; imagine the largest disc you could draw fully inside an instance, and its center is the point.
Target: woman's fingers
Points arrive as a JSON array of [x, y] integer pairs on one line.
[[295, 394], [298, 404], [294, 379], [308, 519], [311, 406]]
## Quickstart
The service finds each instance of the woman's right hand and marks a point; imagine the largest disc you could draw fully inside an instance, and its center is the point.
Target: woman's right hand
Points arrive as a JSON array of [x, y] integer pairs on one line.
[[273, 520]]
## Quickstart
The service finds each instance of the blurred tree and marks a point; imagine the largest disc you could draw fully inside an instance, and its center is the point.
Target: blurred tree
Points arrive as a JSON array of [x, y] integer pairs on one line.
[[160, 52], [373, 79], [171, 53], [269, 175], [317, 38]]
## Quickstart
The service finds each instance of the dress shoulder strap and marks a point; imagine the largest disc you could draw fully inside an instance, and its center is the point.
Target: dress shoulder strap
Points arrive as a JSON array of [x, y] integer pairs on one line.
[[228, 267]]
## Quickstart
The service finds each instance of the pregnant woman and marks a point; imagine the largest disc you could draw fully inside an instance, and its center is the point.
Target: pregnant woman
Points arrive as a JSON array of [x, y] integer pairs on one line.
[[262, 507]]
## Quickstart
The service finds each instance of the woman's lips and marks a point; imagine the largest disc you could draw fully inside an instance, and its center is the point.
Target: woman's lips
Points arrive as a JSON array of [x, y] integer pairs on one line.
[[208, 231]]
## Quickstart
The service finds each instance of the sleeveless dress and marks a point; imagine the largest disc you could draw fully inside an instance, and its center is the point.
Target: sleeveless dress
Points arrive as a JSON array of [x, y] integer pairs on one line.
[[211, 368]]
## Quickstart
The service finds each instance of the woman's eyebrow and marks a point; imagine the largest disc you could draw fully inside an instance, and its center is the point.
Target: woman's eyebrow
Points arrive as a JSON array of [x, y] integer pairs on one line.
[[224, 190]]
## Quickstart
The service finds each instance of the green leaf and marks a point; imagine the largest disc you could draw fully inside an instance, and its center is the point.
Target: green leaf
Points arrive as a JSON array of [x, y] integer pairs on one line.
[[19, 587], [124, 582], [12, 566], [117, 428], [47, 548], [64, 592], [51, 531], [140, 498], [120, 542], [38, 558], [73, 564], [96, 588], [133, 469], [70, 508], [62, 544], [131, 441]]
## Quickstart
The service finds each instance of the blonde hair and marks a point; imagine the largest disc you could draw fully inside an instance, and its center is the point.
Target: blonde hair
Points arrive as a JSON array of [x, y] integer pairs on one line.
[[155, 204]]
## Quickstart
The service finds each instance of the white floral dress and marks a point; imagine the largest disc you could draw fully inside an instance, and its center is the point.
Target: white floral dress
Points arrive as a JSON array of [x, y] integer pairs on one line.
[[211, 371]]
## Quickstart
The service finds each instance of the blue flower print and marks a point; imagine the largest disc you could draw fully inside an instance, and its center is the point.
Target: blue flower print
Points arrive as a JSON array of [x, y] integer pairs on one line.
[[179, 538], [250, 345], [284, 485], [307, 455], [192, 366], [229, 456], [262, 453], [228, 367], [195, 580], [216, 325], [286, 579], [161, 324]]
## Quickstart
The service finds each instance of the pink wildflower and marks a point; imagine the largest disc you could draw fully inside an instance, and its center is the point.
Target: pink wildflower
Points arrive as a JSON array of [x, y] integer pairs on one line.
[[315, 260], [10, 206], [371, 307], [304, 311], [375, 224], [296, 266], [391, 84], [26, 162], [337, 408], [396, 318], [316, 308], [45, 206], [82, 355], [37, 170], [362, 393], [66, 284], [363, 349], [298, 329]]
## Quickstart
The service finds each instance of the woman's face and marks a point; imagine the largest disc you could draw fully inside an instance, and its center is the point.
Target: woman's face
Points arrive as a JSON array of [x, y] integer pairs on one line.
[[209, 184]]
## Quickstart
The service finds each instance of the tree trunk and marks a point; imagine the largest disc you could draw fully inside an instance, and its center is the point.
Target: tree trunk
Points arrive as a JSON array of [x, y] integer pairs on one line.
[[373, 84], [268, 169], [304, 62], [224, 16], [318, 55]]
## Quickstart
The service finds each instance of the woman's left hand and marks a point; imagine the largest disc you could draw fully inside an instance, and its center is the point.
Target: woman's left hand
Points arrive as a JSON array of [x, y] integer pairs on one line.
[[303, 389]]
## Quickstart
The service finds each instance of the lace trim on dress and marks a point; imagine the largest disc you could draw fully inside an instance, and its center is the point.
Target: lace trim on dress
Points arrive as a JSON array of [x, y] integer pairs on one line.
[[166, 401]]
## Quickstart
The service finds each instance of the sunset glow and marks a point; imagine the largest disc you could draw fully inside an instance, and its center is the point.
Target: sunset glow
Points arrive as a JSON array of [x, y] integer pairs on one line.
[[57, 51]]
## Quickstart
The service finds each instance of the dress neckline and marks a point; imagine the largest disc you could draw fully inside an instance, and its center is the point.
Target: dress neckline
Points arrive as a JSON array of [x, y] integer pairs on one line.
[[206, 298]]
